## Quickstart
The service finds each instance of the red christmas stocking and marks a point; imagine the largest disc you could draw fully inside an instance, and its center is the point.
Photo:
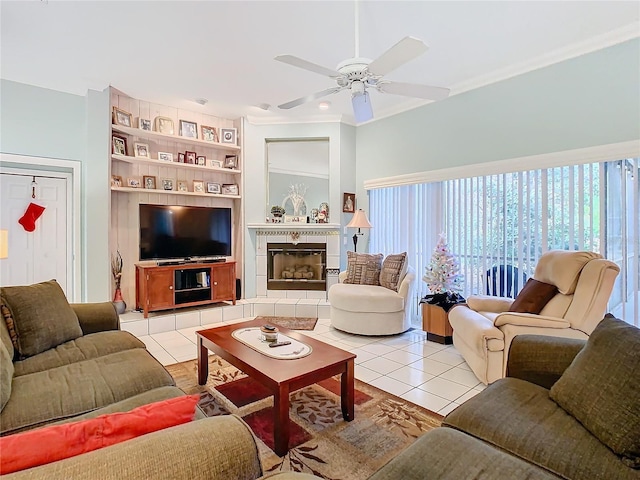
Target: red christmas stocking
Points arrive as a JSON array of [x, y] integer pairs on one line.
[[28, 220]]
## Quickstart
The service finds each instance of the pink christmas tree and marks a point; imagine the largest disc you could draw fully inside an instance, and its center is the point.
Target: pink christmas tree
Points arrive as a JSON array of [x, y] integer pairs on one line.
[[443, 273]]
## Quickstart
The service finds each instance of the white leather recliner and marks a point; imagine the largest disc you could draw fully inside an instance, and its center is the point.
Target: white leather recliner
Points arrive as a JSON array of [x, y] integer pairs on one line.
[[483, 330], [371, 309]]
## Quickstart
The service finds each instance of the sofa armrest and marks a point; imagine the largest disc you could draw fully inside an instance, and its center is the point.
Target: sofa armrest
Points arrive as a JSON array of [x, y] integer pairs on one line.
[[404, 289], [487, 303], [216, 448], [96, 317], [341, 276], [530, 320], [541, 359]]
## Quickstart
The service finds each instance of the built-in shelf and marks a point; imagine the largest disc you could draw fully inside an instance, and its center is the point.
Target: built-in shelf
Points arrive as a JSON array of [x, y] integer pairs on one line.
[[171, 192], [175, 138], [185, 166]]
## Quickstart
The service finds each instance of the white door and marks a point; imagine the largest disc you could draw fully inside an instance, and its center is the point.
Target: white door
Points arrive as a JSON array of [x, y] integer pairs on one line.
[[45, 253]]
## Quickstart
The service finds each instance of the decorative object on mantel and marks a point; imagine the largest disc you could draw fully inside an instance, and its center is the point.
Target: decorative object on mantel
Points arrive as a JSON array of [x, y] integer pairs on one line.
[[314, 215], [323, 213], [294, 203], [116, 271], [277, 211], [358, 221]]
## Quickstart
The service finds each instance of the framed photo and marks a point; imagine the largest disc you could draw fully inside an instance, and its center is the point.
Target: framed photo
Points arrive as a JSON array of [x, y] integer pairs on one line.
[[190, 157], [118, 145], [163, 125], [180, 157], [231, 161], [167, 183], [209, 134], [216, 163], [141, 150], [120, 117], [133, 182], [213, 187], [182, 186], [348, 202], [201, 160], [230, 189], [188, 129], [116, 181], [228, 135], [198, 186], [166, 156], [295, 219], [144, 124], [149, 181]]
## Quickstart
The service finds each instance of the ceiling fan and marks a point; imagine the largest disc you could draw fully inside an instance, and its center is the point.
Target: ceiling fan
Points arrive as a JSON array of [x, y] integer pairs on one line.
[[358, 74]]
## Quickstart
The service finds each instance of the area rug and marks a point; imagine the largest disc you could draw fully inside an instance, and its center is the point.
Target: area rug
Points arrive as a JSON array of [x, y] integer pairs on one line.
[[292, 323], [321, 442]]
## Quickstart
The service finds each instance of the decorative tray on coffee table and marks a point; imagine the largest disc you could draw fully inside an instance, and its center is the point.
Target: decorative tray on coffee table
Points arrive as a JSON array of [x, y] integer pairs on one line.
[[252, 338]]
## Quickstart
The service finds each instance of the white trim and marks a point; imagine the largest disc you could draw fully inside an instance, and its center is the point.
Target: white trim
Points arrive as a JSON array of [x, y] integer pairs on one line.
[[74, 208], [601, 153]]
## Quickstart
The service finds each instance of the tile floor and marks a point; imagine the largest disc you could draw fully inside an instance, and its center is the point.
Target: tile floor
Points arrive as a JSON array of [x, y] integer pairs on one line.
[[408, 365]]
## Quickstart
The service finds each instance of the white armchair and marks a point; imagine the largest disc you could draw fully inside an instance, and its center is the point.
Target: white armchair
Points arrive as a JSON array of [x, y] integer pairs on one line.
[[371, 309], [484, 328]]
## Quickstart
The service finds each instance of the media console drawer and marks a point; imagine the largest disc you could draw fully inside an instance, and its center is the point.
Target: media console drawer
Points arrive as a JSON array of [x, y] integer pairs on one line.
[[172, 286]]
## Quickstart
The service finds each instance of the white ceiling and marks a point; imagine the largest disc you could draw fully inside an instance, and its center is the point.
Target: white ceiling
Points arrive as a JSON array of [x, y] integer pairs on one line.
[[172, 52]]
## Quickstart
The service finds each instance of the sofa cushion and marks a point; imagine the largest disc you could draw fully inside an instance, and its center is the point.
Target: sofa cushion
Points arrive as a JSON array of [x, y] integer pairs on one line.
[[365, 298], [6, 375], [53, 443], [520, 418], [41, 315], [562, 268], [70, 390], [9, 334], [82, 348], [363, 268], [394, 267], [601, 388], [533, 297]]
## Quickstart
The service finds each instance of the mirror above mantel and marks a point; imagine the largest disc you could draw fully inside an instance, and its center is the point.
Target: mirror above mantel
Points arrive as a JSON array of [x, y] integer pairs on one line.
[[298, 175]]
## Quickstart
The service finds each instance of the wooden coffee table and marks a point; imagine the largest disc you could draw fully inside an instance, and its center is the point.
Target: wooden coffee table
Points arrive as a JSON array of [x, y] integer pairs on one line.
[[280, 376]]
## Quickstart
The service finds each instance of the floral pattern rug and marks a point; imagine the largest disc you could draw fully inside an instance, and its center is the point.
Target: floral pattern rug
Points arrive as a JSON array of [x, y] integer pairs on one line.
[[325, 444]]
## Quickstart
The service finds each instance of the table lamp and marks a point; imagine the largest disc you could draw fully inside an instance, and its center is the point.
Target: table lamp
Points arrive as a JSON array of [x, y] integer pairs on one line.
[[4, 243], [358, 221]]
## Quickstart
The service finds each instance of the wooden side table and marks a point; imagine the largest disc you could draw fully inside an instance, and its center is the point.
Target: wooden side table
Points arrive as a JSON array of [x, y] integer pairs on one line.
[[435, 322]]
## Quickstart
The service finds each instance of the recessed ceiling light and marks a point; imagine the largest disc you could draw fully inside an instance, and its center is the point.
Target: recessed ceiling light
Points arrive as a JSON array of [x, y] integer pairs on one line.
[[324, 105], [201, 101]]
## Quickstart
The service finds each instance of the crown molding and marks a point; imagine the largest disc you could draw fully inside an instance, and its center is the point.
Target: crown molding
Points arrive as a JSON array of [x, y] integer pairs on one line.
[[253, 120]]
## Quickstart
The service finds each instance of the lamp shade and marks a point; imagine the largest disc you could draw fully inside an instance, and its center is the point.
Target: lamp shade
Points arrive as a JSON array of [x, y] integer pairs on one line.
[[4, 243], [359, 220]]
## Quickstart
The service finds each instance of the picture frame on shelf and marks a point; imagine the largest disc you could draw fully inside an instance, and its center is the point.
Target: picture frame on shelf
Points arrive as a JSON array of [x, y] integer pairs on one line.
[[144, 124], [167, 184], [118, 145], [295, 219], [165, 156], [209, 134], [230, 189], [149, 181], [141, 150], [121, 117], [198, 186], [180, 157], [216, 163], [163, 125], [229, 135], [188, 129], [116, 181], [133, 182], [183, 186], [213, 187], [348, 202], [190, 157], [231, 161], [201, 160]]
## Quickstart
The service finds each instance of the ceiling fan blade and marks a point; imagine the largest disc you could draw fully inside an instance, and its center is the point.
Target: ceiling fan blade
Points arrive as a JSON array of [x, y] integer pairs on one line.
[[312, 67], [405, 50], [362, 110], [414, 90], [309, 98]]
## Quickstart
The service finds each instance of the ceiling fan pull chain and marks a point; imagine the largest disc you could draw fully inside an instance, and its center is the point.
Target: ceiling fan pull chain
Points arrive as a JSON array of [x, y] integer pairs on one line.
[[357, 31]]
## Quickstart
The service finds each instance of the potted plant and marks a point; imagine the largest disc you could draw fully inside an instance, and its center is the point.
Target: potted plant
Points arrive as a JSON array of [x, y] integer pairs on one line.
[[116, 271]]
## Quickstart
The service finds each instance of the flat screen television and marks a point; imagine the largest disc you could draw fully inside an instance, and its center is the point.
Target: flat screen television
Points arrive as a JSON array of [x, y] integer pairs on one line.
[[177, 232]]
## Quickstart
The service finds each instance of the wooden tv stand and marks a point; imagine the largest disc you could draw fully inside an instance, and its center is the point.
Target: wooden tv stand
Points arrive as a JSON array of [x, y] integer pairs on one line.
[[163, 287]]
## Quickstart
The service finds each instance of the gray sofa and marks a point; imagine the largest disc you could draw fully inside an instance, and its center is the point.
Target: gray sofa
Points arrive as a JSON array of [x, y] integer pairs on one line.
[[567, 409]]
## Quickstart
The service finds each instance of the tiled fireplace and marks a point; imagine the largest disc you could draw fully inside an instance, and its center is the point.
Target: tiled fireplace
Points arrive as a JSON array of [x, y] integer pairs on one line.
[[297, 261]]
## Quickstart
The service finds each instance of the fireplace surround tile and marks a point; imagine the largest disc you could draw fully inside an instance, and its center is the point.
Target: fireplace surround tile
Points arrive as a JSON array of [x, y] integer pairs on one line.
[[285, 310]]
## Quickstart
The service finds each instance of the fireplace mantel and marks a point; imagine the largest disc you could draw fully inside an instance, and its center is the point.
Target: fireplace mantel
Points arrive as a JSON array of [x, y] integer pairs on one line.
[[302, 228]]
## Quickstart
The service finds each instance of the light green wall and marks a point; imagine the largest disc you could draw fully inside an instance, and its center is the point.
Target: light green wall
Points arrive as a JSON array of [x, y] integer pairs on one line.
[[590, 100], [46, 123]]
